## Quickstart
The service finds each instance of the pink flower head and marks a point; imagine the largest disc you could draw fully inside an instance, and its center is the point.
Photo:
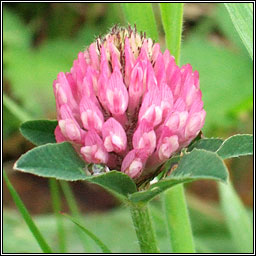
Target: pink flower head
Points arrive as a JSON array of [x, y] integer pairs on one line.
[[127, 105]]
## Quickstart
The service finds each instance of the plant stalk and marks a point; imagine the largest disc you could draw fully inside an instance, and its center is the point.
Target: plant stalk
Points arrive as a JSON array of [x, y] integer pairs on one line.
[[143, 227], [178, 222]]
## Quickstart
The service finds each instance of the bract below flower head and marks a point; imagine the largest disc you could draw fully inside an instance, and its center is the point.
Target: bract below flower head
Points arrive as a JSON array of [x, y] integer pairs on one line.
[[128, 105]]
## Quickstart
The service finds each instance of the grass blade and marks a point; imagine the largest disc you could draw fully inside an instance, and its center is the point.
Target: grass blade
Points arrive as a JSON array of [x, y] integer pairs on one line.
[[172, 14], [26, 216], [56, 205], [242, 17], [103, 247], [15, 109], [71, 200], [237, 220], [142, 15]]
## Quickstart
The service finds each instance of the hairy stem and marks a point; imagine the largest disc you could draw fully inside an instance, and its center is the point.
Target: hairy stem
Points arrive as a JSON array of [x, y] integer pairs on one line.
[[143, 227]]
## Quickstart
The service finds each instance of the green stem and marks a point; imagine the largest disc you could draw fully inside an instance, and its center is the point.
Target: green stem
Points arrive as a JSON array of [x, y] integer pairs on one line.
[[26, 216], [56, 204], [143, 227], [178, 220]]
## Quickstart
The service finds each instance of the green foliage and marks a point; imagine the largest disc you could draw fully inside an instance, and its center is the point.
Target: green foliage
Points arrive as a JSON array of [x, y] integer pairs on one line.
[[172, 16], [209, 144], [39, 132], [142, 15], [62, 162], [58, 161], [116, 182], [10, 121], [237, 145], [56, 205], [177, 220], [226, 27], [225, 77], [115, 229], [19, 113], [13, 115], [103, 247], [199, 164], [26, 216], [237, 219], [242, 16], [74, 208]]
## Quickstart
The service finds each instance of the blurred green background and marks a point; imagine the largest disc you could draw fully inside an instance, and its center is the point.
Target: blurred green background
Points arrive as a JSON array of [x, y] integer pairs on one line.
[[42, 39]]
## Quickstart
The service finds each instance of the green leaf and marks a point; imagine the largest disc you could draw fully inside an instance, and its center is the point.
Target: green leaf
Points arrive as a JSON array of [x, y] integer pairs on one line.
[[142, 15], [209, 144], [26, 216], [168, 165], [199, 164], [226, 27], [39, 132], [58, 161], [103, 247], [116, 182], [172, 14], [237, 219], [242, 17], [61, 161], [237, 145]]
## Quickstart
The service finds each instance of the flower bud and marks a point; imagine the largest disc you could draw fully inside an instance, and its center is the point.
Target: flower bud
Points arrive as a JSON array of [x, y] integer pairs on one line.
[[127, 105]]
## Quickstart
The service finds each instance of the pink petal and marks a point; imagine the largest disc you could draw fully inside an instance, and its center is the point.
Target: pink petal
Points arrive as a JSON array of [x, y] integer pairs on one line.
[[144, 138], [58, 135], [160, 69], [116, 94], [94, 57], [194, 124], [129, 61], [133, 163], [151, 107], [93, 151], [91, 115], [136, 87], [114, 136], [167, 147]]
